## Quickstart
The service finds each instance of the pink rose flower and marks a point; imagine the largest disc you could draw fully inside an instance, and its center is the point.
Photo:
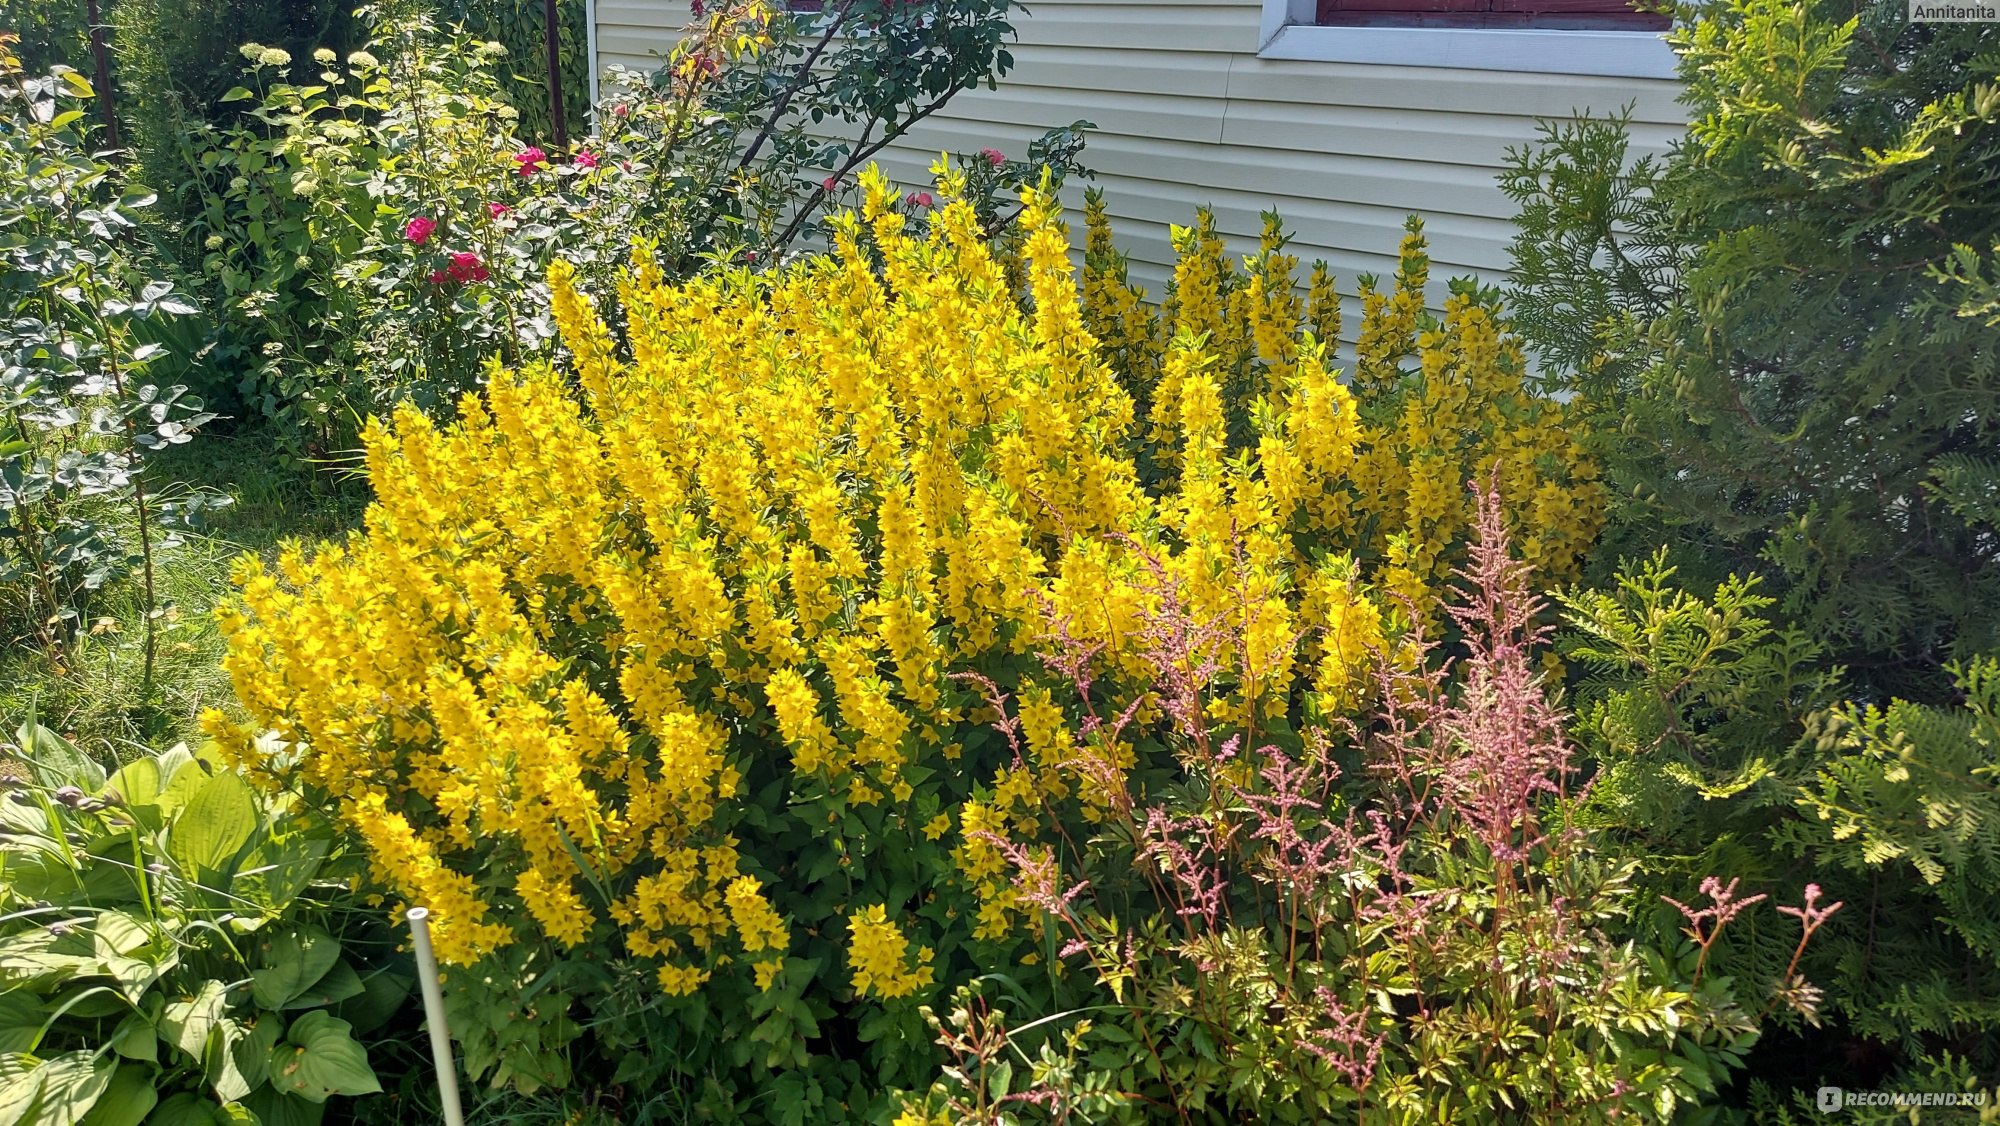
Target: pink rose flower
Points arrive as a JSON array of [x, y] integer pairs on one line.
[[621, 110], [466, 267], [437, 277], [495, 210], [994, 157], [920, 199], [586, 159], [419, 229], [529, 158], [830, 184]]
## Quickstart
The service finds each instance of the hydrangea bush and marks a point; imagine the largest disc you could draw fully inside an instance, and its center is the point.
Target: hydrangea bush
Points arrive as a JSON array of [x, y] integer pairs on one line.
[[645, 675]]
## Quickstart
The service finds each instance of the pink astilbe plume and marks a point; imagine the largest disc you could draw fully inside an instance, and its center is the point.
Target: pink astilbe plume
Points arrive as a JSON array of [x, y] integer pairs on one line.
[[1796, 992], [1705, 923], [1503, 745], [1340, 1039]]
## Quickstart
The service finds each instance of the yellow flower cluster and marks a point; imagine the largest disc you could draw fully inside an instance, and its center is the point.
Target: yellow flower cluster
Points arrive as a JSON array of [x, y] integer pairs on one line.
[[1374, 464], [880, 956], [633, 643]]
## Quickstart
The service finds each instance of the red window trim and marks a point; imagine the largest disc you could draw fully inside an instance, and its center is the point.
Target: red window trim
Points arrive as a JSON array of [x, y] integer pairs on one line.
[[1554, 15]]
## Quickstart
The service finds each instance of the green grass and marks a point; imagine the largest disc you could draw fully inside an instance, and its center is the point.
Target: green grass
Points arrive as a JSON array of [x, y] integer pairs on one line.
[[98, 696]]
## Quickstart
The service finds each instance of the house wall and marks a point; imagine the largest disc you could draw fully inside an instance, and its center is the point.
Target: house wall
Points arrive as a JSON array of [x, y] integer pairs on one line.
[[1187, 113]]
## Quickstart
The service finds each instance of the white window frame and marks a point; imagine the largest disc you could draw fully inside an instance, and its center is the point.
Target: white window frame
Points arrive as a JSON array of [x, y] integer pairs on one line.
[[1288, 31]]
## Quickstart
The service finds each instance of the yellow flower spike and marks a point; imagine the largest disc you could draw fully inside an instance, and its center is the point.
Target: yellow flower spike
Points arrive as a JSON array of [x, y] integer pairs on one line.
[[768, 518]]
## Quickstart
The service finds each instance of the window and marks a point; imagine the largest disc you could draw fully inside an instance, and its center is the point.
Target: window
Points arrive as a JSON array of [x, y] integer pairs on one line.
[[1603, 38], [1581, 15]]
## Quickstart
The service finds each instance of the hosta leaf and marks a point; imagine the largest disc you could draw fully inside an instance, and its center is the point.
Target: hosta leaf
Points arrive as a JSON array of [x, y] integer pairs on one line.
[[275, 1108], [184, 1109], [214, 825], [339, 983], [289, 961], [21, 1019], [277, 870], [187, 1024], [320, 1059], [135, 1039], [56, 761], [126, 1100], [61, 1090]]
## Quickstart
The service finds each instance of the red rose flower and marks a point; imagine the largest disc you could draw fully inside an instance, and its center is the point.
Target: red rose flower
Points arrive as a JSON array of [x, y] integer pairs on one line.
[[529, 159], [437, 277], [418, 230], [466, 267], [495, 210]]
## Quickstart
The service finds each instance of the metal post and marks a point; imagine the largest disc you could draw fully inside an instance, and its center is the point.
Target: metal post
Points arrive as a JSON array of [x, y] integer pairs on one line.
[[427, 977], [552, 28]]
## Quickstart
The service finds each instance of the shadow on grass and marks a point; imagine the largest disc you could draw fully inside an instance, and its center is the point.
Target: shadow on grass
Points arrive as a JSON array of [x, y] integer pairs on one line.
[[98, 697]]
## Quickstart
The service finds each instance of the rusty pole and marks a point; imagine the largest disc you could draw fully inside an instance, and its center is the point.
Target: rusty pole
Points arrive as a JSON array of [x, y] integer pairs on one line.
[[551, 35], [101, 57]]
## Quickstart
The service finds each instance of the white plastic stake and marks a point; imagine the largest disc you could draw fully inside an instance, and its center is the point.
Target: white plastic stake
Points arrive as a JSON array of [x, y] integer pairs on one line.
[[427, 976]]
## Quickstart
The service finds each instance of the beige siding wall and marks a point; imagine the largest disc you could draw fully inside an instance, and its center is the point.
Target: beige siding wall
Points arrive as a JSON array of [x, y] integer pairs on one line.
[[1187, 114]]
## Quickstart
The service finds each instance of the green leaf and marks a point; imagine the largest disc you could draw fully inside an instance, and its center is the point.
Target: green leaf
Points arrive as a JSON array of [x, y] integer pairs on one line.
[[120, 933], [382, 996], [275, 1108], [184, 1109], [321, 1059], [20, 1086], [277, 870], [32, 959], [77, 84], [340, 983], [187, 1024], [127, 1100], [135, 1040], [216, 823], [240, 1056], [237, 94], [20, 1021], [56, 761], [69, 1085], [136, 789], [289, 961]]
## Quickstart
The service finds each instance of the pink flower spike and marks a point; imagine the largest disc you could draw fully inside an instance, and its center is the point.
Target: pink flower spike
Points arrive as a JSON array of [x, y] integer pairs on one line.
[[419, 229], [994, 157], [1812, 914], [530, 159]]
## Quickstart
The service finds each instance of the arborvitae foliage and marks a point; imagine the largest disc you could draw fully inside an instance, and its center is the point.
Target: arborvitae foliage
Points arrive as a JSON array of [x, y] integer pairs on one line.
[[1718, 750], [1793, 317]]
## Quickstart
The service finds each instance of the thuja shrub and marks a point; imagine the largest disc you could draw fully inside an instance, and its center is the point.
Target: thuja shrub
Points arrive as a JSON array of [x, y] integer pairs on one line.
[[644, 675]]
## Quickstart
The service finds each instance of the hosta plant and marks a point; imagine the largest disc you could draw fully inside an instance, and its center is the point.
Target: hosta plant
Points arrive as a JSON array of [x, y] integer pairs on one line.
[[164, 952]]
